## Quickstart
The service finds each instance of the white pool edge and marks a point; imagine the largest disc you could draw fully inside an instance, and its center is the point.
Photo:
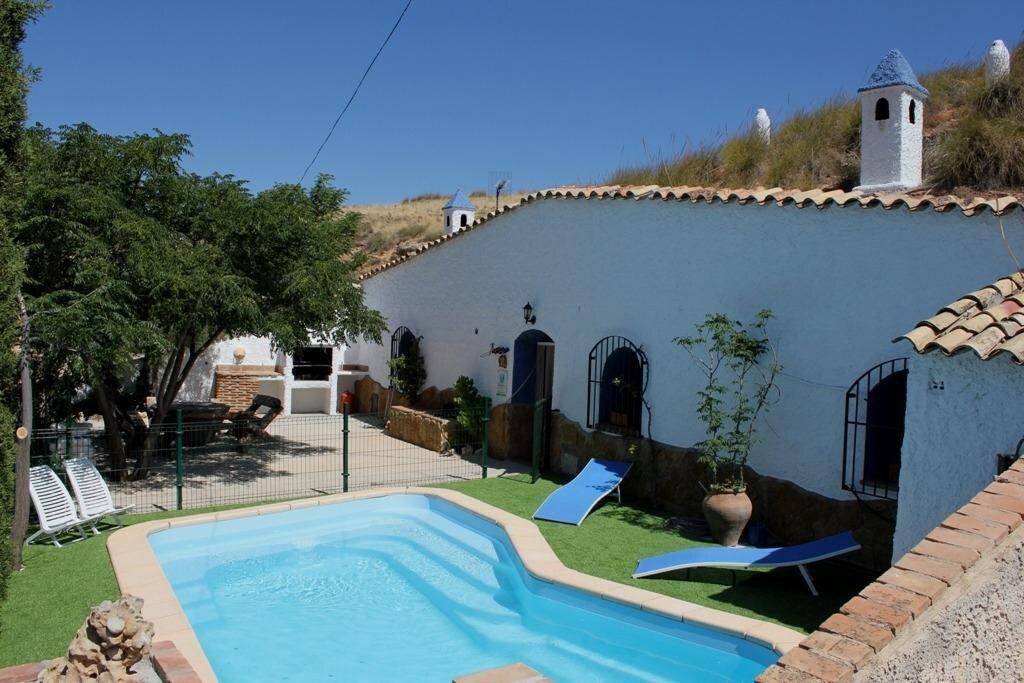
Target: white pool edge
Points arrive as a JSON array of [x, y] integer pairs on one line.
[[139, 573]]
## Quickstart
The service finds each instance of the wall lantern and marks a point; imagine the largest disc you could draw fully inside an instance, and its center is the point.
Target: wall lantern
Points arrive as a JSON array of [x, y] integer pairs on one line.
[[528, 315]]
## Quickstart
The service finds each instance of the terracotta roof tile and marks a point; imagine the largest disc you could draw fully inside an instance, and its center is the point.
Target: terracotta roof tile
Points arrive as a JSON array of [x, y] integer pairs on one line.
[[818, 198], [988, 322]]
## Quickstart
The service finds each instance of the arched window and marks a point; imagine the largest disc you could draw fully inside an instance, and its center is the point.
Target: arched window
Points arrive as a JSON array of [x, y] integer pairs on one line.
[[402, 341], [913, 111], [881, 109], [876, 406], [617, 379], [462, 220]]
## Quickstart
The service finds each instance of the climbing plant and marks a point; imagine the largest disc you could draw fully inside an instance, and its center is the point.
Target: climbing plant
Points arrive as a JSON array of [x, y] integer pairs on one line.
[[409, 372]]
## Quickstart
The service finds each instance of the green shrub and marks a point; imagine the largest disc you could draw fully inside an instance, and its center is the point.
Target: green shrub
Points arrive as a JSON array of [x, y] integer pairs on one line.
[[982, 153], [470, 406], [409, 373], [412, 231]]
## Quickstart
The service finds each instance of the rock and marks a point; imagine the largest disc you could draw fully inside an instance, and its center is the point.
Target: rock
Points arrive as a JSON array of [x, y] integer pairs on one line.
[[113, 639]]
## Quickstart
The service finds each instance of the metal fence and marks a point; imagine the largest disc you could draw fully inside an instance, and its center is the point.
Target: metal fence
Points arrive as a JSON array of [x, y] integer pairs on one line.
[[182, 464]]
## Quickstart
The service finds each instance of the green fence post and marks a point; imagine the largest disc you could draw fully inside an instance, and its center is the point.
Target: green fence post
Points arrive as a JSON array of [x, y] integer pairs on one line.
[[179, 454], [486, 436], [344, 448], [538, 428]]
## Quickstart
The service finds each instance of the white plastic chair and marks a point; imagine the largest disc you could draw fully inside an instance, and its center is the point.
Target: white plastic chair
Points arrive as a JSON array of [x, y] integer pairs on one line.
[[92, 492], [53, 505]]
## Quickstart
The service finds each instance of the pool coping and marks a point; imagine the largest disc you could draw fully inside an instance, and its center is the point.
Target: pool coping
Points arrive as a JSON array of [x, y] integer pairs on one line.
[[139, 573]]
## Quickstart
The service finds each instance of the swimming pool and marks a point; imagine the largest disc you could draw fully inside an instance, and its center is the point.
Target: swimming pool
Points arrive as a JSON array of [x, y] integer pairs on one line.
[[412, 587]]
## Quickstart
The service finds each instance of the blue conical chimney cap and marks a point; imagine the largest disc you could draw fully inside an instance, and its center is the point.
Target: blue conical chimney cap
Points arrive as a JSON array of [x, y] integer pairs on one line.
[[894, 69], [459, 201]]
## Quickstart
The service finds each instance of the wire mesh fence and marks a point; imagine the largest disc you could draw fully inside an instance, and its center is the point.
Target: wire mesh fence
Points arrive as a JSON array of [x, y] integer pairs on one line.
[[182, 464]]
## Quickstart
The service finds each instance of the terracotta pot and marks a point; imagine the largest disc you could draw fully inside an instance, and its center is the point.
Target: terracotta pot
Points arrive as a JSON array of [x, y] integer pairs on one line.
[[727, 514]]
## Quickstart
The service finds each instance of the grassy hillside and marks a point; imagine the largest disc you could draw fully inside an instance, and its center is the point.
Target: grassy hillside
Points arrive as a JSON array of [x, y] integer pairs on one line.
[[387, 230], [973, 138]]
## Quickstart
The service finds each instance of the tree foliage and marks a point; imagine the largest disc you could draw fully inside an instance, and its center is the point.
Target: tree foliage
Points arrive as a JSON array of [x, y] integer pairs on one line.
[[138, 267], [739, 388], [15, 15]]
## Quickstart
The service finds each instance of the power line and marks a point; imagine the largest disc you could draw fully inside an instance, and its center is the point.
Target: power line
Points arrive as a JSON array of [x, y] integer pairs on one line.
[[353, 96]]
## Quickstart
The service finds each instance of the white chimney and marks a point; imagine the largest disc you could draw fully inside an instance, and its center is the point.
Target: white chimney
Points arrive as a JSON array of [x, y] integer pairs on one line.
[[763, 126], [997, 62], [458, 213], [891, 125]]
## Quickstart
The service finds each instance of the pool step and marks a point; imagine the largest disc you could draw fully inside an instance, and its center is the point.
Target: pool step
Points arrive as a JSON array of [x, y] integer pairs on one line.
[[510, 673]]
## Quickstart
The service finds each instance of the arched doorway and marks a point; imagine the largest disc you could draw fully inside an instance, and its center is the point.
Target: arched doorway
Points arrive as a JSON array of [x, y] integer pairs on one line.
[[533, 356]]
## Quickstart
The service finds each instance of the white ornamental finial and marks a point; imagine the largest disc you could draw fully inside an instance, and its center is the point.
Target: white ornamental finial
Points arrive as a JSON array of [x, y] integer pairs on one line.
[[763, 126], [997, 62]]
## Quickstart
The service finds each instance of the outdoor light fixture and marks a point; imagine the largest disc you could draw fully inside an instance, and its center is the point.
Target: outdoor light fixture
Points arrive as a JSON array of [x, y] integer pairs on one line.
[[528, 315]]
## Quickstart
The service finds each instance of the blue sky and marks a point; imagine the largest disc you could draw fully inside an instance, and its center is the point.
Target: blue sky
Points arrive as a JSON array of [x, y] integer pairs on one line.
[[546, 92]]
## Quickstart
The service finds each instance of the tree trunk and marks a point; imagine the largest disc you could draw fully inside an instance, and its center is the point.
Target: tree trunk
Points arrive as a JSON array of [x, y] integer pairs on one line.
[[112, 429], [19, 525]]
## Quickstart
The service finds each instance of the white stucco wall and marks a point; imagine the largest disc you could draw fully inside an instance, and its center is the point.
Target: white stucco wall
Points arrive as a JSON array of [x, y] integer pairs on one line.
[[843, 283], [961, 413], [199, 384]]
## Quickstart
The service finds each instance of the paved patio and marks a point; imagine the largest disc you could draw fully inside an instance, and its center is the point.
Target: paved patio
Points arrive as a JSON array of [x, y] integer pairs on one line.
[[302, 457]]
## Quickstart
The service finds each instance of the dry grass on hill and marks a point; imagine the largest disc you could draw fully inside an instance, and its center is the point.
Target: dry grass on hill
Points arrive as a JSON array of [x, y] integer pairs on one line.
[[388, 229], [974, 143]]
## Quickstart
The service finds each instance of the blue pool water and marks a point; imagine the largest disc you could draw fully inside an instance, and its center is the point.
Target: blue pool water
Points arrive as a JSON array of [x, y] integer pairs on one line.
[[412, 588]]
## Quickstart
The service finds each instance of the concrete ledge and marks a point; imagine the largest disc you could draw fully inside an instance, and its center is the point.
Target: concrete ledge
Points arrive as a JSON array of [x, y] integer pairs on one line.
[[138, 572]]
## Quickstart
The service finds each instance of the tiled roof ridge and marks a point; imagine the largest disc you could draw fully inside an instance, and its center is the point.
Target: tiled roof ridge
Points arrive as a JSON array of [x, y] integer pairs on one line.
[[930, 575], [988, 321], [819, 198]]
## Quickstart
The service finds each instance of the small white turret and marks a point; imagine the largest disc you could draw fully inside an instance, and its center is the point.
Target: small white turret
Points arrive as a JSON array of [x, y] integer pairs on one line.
[[997, 62], [458, 213], [892, 121], [763, 126]]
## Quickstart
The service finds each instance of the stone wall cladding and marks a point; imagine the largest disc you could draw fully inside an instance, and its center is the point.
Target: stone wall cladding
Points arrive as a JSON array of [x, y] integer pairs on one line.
[[671, 477], [236, 385], [423, 429], [430, 398], [917, 603]]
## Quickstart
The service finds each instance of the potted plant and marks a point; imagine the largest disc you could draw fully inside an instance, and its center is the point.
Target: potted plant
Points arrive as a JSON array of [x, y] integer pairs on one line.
[[409, 373], [739, 388], [470, 412]]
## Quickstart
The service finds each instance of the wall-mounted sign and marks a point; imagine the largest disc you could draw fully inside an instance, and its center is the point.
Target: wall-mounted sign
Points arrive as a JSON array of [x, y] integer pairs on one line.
[[502, 389]]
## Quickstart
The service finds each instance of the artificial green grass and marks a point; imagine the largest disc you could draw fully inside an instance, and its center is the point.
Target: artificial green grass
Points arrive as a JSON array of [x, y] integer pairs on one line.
[[49, 599], [612, 539]]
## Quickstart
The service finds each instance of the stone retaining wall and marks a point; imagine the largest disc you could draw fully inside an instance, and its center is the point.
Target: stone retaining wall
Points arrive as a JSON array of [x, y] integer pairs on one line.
[[669, 477], [423, 429], [371, 393]]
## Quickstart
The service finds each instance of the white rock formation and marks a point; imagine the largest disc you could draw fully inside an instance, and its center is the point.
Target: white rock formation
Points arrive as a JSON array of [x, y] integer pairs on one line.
[[763, 126], [997, 62]]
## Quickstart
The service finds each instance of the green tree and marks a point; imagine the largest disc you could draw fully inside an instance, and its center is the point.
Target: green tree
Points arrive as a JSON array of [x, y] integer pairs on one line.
[[138, 267], [15, 77]]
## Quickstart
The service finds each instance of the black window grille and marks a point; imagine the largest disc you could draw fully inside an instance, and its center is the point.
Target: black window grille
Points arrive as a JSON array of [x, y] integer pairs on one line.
[[402, 340], [616, 381], [876, 406]]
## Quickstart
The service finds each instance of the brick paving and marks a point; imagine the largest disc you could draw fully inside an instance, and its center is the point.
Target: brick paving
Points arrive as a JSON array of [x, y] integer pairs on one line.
[[303, 458]]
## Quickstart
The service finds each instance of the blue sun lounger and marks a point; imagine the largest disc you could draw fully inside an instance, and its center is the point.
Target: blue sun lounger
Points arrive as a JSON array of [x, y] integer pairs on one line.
[[746, 558], [571, 503]]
